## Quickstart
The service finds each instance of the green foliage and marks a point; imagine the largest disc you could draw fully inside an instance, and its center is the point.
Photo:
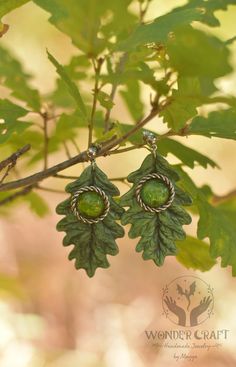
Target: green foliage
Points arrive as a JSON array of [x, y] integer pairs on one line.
[[177, 64], [83, 23], [221, 124], [37, 204], [183, 103], [208, 7], [185, 154], [71, 86], [216, 223], [92, 242], [5, 7], [158, 231], [159, 29], [10, 114], [194, 254], [132, 99], [189, 49], [16, 79]]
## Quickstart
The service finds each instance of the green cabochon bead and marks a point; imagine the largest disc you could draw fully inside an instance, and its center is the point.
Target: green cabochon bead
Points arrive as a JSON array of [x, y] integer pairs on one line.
[[90, 204], [154, 193]]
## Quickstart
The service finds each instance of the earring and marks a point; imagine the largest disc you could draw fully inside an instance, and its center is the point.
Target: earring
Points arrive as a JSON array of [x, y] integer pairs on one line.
[[90, 218], [155, 206]]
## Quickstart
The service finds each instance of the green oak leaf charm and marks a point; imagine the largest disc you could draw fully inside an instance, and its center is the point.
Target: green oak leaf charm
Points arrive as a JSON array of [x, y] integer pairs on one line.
[[92, 242], [158, 230]]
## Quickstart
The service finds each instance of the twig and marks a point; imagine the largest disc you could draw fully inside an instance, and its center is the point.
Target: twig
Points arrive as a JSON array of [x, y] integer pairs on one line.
[[65, 177], [119, 69], [219, 199], [97, 69], [66, 150], [46, 139], [76, 146], [10, 162], [13, 157], [123, 150], [17, 194], [82, 157], [37, 187]]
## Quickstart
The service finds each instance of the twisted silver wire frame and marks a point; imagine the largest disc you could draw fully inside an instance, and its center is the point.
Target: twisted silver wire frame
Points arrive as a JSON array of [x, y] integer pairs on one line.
[[90, 189], [163, 207]]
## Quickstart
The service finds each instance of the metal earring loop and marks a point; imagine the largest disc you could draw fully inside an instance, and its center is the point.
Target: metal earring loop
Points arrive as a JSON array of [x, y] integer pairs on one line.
[[163, 207], [76, 212], [151, 140]]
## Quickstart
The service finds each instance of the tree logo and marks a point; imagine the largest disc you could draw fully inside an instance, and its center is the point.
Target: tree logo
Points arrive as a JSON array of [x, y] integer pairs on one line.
[[188, 301]]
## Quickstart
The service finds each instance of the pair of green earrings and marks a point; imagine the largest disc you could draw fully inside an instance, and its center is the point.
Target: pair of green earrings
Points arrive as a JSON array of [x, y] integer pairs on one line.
[[155, 212]]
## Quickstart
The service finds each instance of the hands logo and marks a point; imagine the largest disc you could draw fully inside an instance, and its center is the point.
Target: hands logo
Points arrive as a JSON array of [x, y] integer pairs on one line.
[[188, 301]]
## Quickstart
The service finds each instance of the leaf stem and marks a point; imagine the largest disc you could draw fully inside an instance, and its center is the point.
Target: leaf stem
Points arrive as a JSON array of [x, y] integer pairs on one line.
[[119, 70], [46, 138], [82, 157], [97, 70]]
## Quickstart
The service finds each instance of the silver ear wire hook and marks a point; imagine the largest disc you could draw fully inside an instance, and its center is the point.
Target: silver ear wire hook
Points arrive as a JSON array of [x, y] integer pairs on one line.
[[151, 140], [92, 152]]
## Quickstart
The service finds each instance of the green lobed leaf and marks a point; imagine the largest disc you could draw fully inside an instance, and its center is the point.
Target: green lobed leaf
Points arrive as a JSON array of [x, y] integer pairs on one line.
[[17, 80], [82, 21], [183, 104], [208, 9], [37, 204], [77, 70], [158, 231], [92, 242], [194, 53], [194, 254], [132, 98], [216, 223], [9, 116], [186, 155], [159, 29], [221, 124], [71, 86]]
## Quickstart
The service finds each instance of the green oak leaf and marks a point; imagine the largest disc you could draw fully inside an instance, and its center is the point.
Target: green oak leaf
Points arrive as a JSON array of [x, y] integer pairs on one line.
[[221, 124], [17, 80], [186, 155], [195, 53], [208, 9], [158, 231], [159, 29], [77, 70], [216, 222], [194, 254], [132, 98], [83, 20], [183, 103], [70, 84], [92, 242], [9, 116]]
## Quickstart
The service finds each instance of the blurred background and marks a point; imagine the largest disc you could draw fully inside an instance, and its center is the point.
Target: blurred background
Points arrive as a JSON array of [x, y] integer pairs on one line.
[[54, 316]]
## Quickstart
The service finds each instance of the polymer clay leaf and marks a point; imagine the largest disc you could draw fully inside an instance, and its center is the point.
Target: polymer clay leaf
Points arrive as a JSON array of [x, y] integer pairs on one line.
[[158, 231], [92, 242]]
